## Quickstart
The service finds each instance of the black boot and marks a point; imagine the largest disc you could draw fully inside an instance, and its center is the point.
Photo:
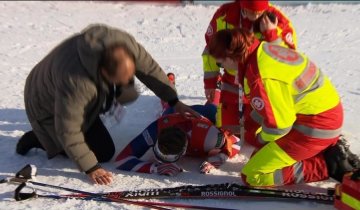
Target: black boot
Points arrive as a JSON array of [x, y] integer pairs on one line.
[[354, 160], [27, 142], [337, 160]]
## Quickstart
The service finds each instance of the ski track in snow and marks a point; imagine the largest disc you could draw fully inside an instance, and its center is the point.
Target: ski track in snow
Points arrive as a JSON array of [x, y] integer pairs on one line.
[[174, 35]]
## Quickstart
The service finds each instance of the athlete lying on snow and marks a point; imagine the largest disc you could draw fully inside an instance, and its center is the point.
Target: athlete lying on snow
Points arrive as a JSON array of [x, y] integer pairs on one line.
[[172, 136]]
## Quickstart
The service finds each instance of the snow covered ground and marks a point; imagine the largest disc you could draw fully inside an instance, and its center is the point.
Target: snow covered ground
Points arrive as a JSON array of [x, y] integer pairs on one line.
[[174, 35]]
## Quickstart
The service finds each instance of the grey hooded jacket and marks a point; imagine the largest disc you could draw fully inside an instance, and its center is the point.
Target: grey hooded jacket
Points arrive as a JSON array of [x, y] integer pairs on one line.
[[64, 92]]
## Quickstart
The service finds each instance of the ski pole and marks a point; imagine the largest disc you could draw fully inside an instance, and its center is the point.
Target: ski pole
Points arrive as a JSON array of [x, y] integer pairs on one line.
[[100, 197], [29, 171], [19, 196]]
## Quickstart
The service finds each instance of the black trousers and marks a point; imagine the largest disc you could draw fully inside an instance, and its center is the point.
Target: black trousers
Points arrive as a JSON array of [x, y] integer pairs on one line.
[[99, 141], [97, 138]]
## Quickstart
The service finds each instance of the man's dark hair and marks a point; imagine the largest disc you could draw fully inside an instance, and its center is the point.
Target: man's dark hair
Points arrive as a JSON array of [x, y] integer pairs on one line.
[[171, 140], [108, 62]]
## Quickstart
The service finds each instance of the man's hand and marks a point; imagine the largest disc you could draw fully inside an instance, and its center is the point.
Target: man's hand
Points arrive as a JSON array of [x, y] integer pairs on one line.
[[210, 94], [101, 176], [266, 24], [168, 169], [213, 162], [185, 110]]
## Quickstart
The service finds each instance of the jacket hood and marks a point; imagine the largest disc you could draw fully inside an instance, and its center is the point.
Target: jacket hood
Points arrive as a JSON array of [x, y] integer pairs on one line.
[[94, 40]]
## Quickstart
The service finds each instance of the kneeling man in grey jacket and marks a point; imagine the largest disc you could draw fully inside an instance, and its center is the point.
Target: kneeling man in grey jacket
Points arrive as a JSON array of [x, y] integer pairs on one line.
[[80, 78]]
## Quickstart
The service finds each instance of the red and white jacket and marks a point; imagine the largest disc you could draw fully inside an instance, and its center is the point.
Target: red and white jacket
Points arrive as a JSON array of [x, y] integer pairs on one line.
[[229, 16], [202, 134]]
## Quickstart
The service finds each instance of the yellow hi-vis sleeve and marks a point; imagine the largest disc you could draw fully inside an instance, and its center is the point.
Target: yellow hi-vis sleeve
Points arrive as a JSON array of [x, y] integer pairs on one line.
[[279, 110], [209, 62]]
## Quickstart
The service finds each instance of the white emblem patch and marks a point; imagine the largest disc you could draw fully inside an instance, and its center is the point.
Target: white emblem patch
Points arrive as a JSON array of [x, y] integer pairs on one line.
[[289, 38], [147, 137], [209, 31], [257, 103], [202, 125]]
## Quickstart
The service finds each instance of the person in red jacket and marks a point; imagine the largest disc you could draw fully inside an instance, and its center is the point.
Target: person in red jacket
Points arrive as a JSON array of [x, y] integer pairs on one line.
[[268, 24], [172, 136], [295, 117]]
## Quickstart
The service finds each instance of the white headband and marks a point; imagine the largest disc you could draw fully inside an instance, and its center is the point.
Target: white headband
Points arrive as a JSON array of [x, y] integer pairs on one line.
[[161, 157]]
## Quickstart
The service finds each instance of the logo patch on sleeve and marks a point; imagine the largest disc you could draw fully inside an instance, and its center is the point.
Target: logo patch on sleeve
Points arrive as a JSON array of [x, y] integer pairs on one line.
[[147, 137], [165, 120], [289, 38], [257, 103], [209, 31]]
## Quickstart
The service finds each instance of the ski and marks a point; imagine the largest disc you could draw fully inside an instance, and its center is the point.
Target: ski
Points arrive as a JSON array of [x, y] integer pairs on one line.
[[226, 190], [149, 204]]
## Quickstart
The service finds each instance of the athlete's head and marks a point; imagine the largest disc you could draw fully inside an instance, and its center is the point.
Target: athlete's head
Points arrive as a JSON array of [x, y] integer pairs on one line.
[[253, 9], [231, 46], [171, 145]]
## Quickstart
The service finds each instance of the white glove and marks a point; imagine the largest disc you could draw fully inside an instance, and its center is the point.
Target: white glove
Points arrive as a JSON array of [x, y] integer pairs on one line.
[[213, 162], [168, 169]]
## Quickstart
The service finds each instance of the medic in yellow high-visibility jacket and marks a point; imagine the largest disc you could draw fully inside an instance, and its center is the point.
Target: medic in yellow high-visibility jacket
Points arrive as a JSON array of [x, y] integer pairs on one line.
[[295, 111], [246, 15]]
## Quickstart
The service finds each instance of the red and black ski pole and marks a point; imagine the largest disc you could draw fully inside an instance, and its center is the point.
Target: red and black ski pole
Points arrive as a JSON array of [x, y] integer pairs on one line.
[[24, 175]]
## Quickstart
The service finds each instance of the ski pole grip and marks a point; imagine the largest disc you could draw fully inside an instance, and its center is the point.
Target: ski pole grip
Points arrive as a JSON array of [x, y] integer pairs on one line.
[[27, 172], [19, 196]]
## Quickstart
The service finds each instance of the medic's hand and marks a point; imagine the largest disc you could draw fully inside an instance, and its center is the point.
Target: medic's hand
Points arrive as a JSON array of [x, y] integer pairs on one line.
[[185, 110], [213, 162], [168, 169], [210, 94], [266, 24]]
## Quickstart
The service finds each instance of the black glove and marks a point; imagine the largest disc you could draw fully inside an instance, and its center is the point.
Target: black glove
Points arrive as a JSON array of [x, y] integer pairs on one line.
[[356, 175]]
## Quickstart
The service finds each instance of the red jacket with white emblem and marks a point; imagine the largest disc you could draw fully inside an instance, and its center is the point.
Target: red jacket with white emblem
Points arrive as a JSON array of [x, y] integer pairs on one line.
[[202, 134], [229, 16]]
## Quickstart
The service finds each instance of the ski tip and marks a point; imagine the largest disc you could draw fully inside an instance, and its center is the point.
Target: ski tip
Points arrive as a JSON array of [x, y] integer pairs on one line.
[[170, 74], [171, 77]]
